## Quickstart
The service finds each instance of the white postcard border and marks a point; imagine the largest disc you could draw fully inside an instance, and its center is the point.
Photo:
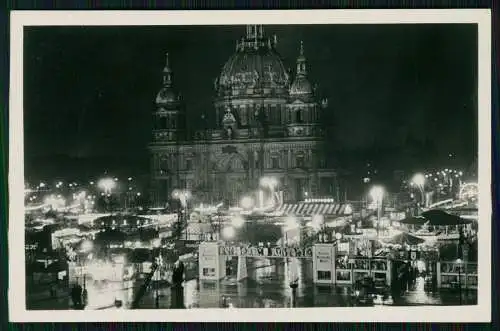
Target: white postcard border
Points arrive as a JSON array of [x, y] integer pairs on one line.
[[17, 305]]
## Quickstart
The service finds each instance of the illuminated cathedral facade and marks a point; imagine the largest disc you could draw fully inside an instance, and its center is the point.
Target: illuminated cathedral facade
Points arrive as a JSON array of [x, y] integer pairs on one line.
[[268, 124]]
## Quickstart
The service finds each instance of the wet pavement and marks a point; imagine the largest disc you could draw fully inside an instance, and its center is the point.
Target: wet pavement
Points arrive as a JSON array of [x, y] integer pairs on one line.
[[267, 287]]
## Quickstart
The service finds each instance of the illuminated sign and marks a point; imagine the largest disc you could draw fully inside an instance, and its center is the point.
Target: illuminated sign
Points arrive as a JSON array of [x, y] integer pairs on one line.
[[255, 251]]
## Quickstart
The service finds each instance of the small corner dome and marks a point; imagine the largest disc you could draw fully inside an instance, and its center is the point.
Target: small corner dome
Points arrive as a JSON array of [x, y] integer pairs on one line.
[[166, 96], [300, 87]]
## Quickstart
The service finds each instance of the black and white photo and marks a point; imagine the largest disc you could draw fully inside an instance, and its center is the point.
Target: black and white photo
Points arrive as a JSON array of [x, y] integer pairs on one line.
[[232, 167]]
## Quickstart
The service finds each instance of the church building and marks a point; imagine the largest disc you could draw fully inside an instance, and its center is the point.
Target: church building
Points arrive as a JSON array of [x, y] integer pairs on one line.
[[268, 124]]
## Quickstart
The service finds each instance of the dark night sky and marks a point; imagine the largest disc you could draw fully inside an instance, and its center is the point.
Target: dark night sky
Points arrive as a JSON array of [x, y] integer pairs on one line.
[[400, 95]]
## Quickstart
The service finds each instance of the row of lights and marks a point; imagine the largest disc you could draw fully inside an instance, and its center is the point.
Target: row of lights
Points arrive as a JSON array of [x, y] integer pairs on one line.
[[60, 184], [445, 172], [319, 200]]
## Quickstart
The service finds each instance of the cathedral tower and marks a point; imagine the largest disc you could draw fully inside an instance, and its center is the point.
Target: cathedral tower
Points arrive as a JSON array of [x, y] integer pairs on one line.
[[303, 109]]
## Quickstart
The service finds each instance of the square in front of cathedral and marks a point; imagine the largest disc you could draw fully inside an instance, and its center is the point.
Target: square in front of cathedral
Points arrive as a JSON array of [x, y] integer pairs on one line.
[[250, 167]]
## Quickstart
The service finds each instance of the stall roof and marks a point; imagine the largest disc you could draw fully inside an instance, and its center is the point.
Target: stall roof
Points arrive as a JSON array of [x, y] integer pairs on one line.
[[313, 208]]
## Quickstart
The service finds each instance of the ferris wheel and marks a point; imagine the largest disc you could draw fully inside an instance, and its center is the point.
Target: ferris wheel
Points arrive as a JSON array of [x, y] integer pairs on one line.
[[469, 191]]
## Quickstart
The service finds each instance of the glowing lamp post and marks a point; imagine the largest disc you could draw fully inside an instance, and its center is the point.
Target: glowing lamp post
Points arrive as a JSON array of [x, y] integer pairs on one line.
[[459, 263], [107, 185], [419, 181], [291, 223], [237, 221], [157, 247], [247, 203], [86, 247], [269, 183], [377, 194], [228, 233]]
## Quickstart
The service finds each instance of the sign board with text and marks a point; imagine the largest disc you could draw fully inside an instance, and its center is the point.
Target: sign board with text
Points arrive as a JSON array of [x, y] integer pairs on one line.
[[211, 267], [256, 251], [324, 264]]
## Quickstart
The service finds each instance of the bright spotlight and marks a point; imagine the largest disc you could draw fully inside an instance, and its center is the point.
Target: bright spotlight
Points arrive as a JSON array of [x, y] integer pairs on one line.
[[107, 184], [157, 242], [318, 219], [419, 180], [291, 223], [269, 182], [87, 246], [377, 193], [247, 203], [237, 221], [228, 232]]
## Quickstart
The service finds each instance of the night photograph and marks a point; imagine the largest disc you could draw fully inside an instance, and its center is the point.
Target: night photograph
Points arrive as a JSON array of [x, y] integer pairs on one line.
[[250, 166]]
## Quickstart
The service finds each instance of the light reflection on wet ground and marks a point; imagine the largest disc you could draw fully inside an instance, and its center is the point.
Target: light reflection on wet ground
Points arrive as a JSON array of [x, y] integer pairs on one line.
[[266, 287]]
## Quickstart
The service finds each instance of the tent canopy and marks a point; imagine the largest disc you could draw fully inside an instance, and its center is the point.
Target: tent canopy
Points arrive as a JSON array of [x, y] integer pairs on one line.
[[414, 220], [404, 238], [440, 217]]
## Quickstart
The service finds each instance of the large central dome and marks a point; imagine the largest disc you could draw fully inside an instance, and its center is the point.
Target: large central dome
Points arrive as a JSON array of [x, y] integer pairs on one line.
[[255, 65], [253, 85]]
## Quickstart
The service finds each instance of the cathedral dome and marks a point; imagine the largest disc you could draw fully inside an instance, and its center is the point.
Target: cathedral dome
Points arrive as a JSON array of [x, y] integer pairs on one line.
[[166, 96], [256, 63], [301, 87]]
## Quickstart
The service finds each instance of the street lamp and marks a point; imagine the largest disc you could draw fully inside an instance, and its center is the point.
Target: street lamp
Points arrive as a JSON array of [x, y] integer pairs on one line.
[[228, 233], [86, 247], [237, 221], [247, 203], [459, 263], [107, 185], [291, 223], [157, 246], [377, 194], [419, 181], [270, 183]]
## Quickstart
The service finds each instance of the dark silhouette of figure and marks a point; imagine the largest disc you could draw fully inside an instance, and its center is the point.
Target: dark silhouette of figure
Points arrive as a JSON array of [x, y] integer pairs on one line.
[[177, 297], [53, 291], [84, 296], [76, 296], [178, 273]]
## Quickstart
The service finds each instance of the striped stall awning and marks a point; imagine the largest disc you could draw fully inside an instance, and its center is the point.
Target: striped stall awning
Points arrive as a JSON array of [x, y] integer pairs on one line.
[[313, 208]]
